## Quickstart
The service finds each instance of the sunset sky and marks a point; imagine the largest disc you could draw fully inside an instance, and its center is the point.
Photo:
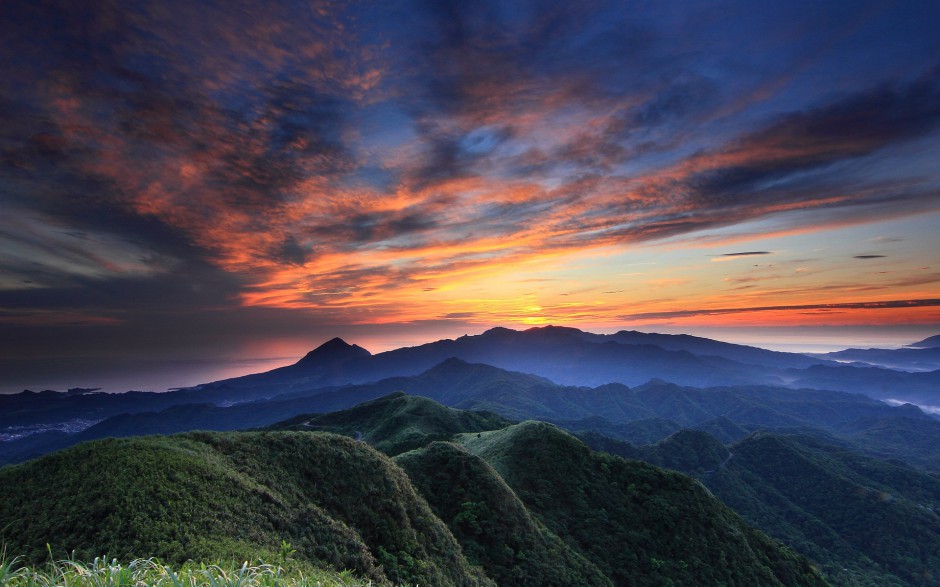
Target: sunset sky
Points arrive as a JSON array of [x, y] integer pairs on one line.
[[194, 189]]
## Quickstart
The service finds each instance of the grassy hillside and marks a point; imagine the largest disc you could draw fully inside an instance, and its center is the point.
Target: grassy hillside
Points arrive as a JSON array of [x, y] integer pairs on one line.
[[104, 572], [492, 524], [397, 422], [869, 522], [231, 496], [866, 521], [639, 524]]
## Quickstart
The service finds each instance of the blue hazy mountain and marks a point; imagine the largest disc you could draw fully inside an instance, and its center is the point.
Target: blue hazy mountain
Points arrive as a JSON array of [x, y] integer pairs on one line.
[[640, 414], [569, 356], [563, 355], [913, 358]]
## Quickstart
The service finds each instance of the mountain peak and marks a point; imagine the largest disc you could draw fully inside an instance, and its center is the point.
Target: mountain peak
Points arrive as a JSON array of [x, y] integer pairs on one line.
[[499, 330], [552, 329], [334, 350], [451, 365]]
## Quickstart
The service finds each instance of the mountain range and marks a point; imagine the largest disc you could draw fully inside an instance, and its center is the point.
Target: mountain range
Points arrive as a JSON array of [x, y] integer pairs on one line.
[[525, 504], [565, 356], [833, 456]]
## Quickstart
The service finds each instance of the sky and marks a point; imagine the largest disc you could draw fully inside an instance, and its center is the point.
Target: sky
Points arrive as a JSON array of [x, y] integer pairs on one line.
[[190, 190]]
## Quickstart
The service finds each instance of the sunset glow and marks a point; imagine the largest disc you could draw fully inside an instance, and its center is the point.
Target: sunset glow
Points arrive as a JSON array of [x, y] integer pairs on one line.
[[183, 176]]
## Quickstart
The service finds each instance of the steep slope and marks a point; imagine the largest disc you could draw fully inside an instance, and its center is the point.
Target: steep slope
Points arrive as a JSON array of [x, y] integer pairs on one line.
[[723, 429], [854, 515], [209, 496], [397, 422], [492, 524], [644, 431], [333, 352], [639, 524], [869, 522]]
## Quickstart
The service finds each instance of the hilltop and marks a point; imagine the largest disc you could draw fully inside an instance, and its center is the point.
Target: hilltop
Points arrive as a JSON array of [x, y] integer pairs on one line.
[[493, 525], [231, 496], [397, 422], [632, 519], [342, 504]]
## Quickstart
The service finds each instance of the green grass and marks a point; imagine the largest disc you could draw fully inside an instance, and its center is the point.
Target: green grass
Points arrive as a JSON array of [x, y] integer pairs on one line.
[[493, 526], [521, 506], [640, 525], [397, 423], [104, 572], [231, 496]]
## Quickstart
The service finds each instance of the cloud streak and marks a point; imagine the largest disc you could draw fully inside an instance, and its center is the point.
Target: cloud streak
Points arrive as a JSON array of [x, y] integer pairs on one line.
[[875, 305]]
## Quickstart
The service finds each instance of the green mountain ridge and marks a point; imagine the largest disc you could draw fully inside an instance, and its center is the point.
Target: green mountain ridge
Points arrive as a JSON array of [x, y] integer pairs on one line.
[[867, 521], [449, 476], [397, 422], [493, 526], [870, 515], [459, 516], [639, 524], [231, 496]]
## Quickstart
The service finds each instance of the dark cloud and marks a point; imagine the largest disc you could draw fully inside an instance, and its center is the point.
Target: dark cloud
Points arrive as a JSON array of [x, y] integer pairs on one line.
[[452, 315], [879, 305], [354, 228], [292, 252], [869, 256], [747, 254], [845, 129]]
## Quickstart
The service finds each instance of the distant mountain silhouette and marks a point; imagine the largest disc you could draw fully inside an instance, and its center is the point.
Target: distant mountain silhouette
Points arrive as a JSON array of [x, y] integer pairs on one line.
[[553, 373], [334, 351], [905, 359], [564, 355], [708, 347], [921, 388], [569, 356], [930, 342], [641, 414]]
